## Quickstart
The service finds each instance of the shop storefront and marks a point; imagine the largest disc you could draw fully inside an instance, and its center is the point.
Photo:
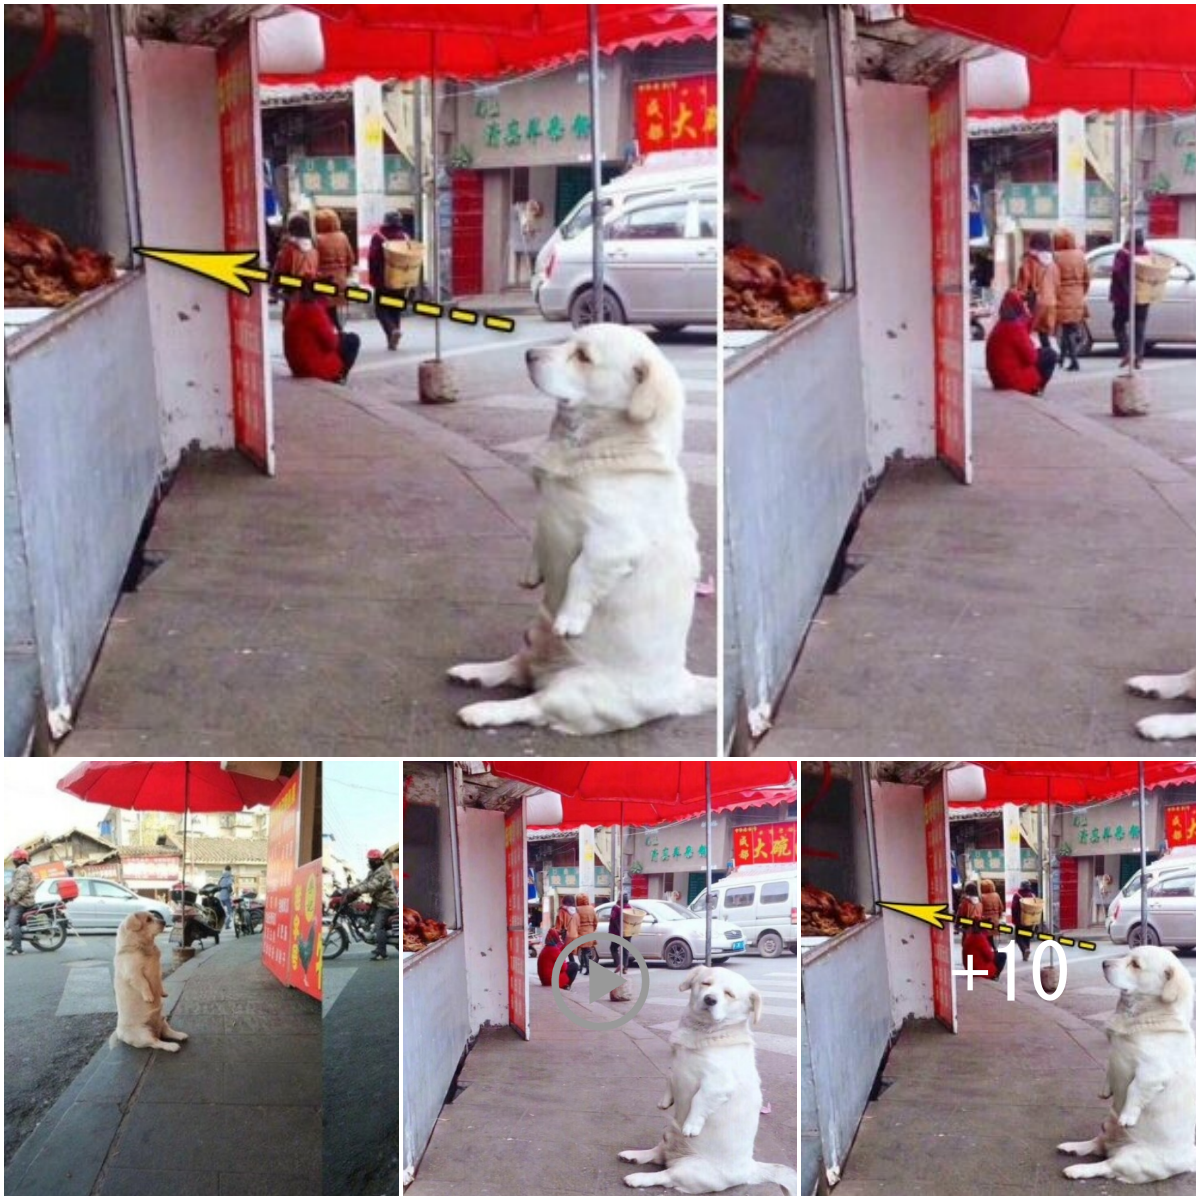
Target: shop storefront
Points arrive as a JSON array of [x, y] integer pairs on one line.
[[838, 149]]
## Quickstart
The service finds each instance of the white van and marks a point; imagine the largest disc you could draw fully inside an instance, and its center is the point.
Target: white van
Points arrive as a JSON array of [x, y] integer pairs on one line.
[[763, 904], [659, 175]]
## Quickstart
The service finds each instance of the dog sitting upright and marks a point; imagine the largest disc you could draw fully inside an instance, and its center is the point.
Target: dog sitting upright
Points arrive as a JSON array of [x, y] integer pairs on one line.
[[137, 979]]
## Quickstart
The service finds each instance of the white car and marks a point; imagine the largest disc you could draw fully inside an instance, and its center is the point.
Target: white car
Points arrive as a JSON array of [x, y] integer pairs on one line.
[[1172, 320], [102, 904], [673, 934]]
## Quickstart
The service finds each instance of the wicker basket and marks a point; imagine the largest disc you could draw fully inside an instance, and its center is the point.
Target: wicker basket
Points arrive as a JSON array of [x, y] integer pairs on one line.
[[1151, 272], [402, 262]]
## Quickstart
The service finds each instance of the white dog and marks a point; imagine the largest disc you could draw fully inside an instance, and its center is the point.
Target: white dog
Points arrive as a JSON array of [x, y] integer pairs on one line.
[[137, 978], [1166, 727], [714, 1086], [614, 549], [1150, 1129]]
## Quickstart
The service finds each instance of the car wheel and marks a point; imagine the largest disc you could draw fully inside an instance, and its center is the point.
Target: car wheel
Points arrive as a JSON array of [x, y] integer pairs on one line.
[[582, 311], [770, 945], [1136, 937], [671, 327], [678, 956], [720, 962]]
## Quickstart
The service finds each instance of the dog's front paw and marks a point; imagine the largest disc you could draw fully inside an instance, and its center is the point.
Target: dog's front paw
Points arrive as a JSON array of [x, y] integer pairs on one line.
[[628, 1156], [571, 622], [1167, 727], [1078, 1171], [174, 1049], [180, 1037], [691, 1127], [665, 1102], [1106, 1094], [531, 577]]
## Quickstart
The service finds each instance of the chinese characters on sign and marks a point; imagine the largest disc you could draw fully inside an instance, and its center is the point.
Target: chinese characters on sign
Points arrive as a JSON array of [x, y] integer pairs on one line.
[[512, 133], [937, 869], [517, 913], [1114, 839], [1179, 824], [757, 844], [676, 114], [682, 853], [283, 835]]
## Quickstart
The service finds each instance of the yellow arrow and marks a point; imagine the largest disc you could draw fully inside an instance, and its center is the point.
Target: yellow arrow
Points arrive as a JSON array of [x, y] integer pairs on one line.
[[932, 914], [232, 268]]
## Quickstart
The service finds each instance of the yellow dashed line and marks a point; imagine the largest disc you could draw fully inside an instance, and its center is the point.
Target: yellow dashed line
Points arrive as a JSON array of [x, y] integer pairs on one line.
[[290, 281], [1005, 928], [392, 302], [326, 289], [965, 921], [985, 925], [358, 294], [1027, 933], [503, 324], [425, 309], [254, 273], [467, 318], [1067, 941], [1045, 937], [1087, 945]]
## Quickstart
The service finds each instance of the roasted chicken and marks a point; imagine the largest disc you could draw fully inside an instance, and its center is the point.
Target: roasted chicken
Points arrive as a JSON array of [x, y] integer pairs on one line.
[[760, 294], [823, 915], [41, 271]]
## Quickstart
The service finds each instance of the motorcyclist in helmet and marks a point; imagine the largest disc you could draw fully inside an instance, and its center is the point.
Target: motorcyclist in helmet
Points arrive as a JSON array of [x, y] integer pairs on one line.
[[381, 887], [18, 897]]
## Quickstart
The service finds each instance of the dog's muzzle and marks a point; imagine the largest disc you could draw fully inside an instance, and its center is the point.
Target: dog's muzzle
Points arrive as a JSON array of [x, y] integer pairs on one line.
[[711, 1001]]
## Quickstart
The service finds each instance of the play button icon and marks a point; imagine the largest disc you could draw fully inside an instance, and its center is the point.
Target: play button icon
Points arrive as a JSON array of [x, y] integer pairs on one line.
[[601, 981]]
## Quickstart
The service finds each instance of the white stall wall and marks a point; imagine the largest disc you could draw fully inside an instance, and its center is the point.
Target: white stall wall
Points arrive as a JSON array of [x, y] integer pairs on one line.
[[900, 841], [173, 98], [481, 853], [888, 129]]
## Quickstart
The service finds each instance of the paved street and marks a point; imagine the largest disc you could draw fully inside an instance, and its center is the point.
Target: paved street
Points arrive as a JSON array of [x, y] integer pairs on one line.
[[361, 1075], [323, 608]]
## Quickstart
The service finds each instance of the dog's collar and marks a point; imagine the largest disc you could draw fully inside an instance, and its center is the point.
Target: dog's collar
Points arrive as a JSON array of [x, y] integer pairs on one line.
[[695, 1039]]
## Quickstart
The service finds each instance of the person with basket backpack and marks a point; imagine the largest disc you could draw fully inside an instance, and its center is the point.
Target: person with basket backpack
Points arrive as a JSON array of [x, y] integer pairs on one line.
[[1027, 912], [392, 230]]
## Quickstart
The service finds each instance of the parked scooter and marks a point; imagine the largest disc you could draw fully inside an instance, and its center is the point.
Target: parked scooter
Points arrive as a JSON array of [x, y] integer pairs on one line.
[[249, 913], [201, 908], [45, 925], [354, 922]]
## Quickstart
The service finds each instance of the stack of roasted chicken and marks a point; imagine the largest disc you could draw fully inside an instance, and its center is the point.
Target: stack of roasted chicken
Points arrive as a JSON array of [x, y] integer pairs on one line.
[[40, 271], [420, 931], [760, 294], [824, 915]]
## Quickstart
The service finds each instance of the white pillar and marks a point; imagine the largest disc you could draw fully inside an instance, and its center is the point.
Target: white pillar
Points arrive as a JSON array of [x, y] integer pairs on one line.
[[370, 198], [1072, 174]]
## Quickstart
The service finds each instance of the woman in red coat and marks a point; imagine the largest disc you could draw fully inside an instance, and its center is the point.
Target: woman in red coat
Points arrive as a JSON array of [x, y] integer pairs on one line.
[[312, 345], [976, 943], [1013, 362], [545, 963]]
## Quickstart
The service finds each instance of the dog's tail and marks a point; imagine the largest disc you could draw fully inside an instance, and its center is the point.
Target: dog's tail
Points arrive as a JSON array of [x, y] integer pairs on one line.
[[775, 1173]]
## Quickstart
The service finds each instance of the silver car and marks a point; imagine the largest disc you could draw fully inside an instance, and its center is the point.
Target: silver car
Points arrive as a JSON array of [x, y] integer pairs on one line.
[[102, 904], [674, 934], [1170, 909], [1171, 320], [660, 266]]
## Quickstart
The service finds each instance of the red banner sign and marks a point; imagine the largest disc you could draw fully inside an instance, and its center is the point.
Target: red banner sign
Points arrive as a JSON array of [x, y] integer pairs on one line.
[[517, 916], [150, 866], [51, 870], [676, 114], [937, 870], [757, 844], [283, 837], [241, 187], [306, 929], [1179, 824]]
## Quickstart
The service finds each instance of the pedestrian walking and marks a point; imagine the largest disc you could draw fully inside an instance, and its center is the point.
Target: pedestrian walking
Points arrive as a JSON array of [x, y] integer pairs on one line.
[[1037, 281], [225, 891], [297, 257], [335, 261], [1026, 915], [567, 924], [392, 230], [312, 344], [587, 924], [1071, 307], [1102, 890], [1119, 286], [18, 897], [992, 904], [1013, 362]]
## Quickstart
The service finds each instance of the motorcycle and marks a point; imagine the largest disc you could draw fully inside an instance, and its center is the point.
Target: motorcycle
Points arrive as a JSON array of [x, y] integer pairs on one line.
[[249, 913], [202, 906], [45, 925], [351, 921]]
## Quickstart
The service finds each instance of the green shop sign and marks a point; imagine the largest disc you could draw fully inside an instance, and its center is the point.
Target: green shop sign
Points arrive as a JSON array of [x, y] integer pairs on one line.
[[335, 175], [991, 862], [568, 877]]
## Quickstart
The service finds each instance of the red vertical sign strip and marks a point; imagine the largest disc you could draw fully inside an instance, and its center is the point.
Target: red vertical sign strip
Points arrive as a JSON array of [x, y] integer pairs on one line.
[[937, 869], [947, 157], [241, 187], [517, 914], [283, 837]]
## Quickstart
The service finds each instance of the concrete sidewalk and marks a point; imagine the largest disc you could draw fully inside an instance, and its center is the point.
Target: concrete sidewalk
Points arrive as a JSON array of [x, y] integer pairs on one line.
[[237, 1111], [549, 1116], [982, 1112], [1004, 618], [321, 609]]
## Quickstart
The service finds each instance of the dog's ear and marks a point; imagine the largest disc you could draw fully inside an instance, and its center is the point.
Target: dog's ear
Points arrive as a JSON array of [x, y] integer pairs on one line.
[[756, 1003], [1177, 984], [655, 390], [690, 978]]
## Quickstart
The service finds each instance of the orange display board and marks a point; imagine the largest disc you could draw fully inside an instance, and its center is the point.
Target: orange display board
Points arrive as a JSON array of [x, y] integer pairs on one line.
[[676, 114], [754, 845], [305, 971], [283, 837], [1179, 824]]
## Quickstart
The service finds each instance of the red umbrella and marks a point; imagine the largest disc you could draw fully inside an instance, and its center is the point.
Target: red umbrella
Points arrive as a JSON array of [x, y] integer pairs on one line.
[[169, 785], [483, 41], [1074, 781]]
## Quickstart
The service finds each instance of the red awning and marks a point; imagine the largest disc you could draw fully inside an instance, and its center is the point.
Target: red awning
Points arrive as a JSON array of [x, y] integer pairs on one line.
[[484, 41], [651, 792], [1088, 57], [168, 786], [1075, 781]]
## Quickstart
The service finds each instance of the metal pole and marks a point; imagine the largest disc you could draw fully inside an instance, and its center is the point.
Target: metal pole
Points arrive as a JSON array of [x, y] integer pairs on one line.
[[619, 951], [1142, 842], [435, 224], [1132, 244], [419, 160], [597, 177], [708, 864]]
